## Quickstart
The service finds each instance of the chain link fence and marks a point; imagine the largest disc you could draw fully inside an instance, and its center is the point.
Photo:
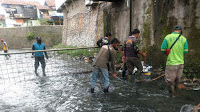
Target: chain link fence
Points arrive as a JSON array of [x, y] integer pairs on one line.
[[17, 66]]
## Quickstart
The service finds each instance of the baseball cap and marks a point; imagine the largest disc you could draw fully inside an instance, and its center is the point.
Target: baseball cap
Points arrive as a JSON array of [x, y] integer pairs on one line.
[[178, 27]]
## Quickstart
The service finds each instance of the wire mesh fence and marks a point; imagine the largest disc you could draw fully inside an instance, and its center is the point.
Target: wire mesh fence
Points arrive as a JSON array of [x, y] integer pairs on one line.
[[19, 66]]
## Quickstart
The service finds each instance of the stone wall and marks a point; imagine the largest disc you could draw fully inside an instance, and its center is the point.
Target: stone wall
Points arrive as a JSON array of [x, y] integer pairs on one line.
[[16, 37], [80, 24]]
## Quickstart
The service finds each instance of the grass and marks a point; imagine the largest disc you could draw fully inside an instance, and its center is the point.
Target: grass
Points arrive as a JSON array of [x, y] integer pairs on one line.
[[76, 52], [83, 52]]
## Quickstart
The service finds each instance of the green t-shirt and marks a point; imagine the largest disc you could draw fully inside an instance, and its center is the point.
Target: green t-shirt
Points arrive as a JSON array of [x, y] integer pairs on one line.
[[176, 56]]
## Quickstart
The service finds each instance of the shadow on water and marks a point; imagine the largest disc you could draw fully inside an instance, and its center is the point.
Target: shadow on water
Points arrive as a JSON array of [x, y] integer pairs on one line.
[[71, 92]]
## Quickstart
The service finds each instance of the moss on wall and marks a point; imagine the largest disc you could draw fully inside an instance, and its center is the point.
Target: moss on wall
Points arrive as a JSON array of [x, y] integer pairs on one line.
[[163, 25], [108, 22], [192, 60]]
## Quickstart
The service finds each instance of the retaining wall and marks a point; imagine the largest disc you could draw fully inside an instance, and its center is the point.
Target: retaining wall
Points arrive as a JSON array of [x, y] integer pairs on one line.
[[16, 37]]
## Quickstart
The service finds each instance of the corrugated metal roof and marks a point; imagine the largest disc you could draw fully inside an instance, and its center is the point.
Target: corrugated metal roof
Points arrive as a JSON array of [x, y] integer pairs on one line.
[[19, 2]]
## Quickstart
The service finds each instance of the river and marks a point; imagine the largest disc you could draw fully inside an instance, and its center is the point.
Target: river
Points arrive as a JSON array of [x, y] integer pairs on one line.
[[71, 92]]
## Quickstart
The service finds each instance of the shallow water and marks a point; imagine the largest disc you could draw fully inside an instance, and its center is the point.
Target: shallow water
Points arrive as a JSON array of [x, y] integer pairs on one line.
[[70, 93]]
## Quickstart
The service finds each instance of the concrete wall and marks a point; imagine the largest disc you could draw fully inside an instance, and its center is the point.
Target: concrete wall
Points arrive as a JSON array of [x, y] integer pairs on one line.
[[15, 37], [83, 26], [80, 24]]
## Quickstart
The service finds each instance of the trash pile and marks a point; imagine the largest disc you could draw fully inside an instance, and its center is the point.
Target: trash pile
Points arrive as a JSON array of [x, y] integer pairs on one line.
[[190, 84], [147, 70]]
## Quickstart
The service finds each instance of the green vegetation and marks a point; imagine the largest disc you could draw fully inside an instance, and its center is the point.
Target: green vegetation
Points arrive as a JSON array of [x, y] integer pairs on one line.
[[83, 52], [44, 21], [77, 52], [30, 35]]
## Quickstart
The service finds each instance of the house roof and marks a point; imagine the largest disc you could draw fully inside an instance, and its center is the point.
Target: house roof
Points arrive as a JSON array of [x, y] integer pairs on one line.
[[51, 3], [20, 2], [43, 7]]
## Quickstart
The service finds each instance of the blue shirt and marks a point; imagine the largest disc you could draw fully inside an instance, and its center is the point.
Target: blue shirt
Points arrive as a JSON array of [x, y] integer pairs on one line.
[[37, 46]]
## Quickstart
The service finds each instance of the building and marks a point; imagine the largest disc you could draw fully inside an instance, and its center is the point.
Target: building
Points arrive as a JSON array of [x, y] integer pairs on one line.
[[85, 21], [27, 13], [55, 17]]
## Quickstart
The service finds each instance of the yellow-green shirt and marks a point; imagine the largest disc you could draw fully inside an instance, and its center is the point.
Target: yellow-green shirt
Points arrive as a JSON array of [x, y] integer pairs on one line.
[[176, 56]]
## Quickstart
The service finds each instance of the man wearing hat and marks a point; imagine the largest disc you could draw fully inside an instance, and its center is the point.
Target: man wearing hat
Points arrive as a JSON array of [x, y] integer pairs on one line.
[[175, 58]]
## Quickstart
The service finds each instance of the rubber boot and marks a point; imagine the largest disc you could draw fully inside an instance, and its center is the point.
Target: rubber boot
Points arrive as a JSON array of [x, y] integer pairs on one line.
[[92, 90], [130, 78], [123, 73], [138, 75], [171, 91], [176, 90], [105, 90], [36, 72], [43, 70]]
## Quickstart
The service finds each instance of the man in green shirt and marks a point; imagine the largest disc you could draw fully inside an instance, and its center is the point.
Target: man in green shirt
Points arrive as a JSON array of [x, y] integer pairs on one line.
[[175, 59]]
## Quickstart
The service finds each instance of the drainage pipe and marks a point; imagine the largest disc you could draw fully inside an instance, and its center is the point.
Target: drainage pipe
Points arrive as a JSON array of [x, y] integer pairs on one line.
[[130, 15]]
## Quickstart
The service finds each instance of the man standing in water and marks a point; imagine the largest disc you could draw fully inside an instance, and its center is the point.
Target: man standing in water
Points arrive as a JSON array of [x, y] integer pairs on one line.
[[5, 47], [39, 56], [107, 53], [131, 55], [105, 41], [175, 59]]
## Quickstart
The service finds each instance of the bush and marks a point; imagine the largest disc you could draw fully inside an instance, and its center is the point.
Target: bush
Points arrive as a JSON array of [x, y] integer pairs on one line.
[[44, 21], [30, 36]]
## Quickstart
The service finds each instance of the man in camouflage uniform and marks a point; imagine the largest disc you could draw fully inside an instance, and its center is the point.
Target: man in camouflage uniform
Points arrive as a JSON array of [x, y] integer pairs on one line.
[[131, 55]]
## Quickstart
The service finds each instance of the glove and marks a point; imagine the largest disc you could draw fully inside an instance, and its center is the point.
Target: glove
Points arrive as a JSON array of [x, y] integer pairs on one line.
[[114, 75], [123, 58]]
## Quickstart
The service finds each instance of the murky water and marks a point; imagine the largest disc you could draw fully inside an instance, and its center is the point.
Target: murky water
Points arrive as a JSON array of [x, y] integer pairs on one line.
[[70, 93]]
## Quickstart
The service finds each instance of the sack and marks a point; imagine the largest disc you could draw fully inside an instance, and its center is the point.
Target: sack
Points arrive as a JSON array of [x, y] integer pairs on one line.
[[167, 52]]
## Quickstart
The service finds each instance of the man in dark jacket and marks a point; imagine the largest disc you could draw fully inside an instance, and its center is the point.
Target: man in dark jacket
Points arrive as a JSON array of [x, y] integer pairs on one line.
[[39, 56], [131, 55]]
